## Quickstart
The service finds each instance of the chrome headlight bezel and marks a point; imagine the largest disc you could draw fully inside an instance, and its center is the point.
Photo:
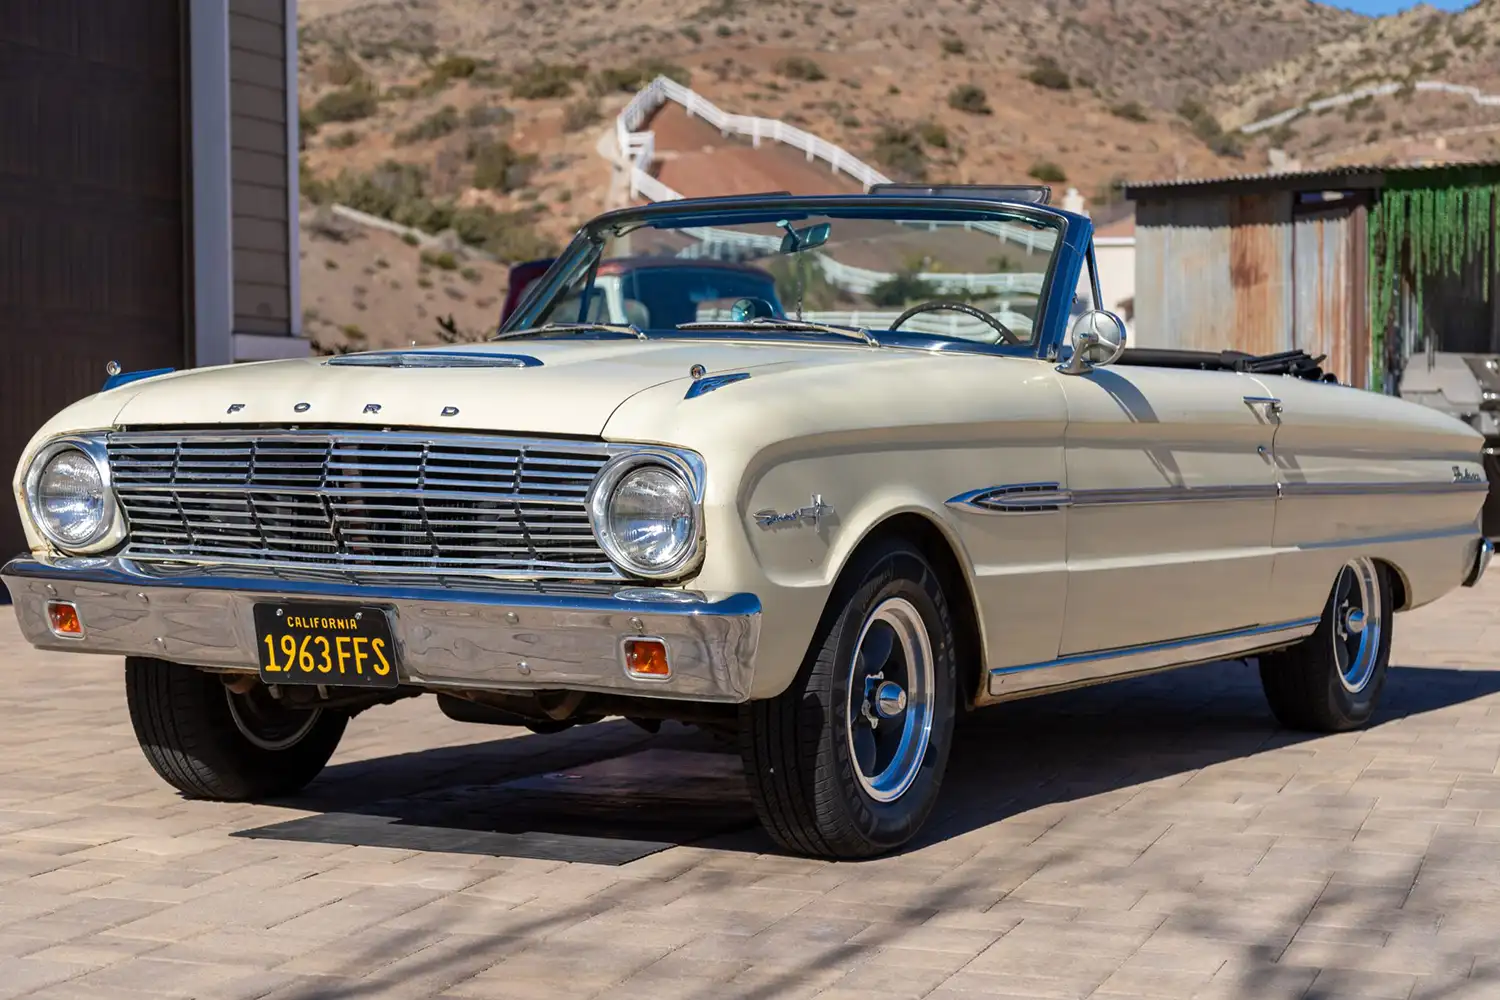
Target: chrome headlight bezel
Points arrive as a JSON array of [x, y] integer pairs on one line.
[[684, 465], [111, 528]]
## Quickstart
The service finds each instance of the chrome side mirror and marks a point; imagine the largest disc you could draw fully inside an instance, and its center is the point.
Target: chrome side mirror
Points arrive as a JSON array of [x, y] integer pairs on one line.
[[1098, 338]]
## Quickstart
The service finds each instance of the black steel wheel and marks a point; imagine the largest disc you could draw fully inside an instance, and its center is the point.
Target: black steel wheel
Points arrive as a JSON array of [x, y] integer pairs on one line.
[[847, 762], [1331, 681], [212, 743]]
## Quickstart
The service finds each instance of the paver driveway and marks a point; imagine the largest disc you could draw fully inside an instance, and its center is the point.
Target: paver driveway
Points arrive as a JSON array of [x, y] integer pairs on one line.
[[1158, 838]]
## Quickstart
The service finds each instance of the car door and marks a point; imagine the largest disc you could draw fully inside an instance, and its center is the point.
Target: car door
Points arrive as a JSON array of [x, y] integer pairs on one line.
[[1173, 503]]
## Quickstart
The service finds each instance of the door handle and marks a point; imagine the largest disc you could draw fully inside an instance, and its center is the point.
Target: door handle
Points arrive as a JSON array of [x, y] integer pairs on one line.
[[1271, 403]]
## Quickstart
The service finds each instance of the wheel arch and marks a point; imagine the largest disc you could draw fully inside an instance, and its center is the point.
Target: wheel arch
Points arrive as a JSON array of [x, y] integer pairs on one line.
[[1400, 586], [936, 541]]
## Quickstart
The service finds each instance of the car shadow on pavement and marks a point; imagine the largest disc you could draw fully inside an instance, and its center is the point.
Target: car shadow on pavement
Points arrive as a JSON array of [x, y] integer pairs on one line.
[[610, 793]]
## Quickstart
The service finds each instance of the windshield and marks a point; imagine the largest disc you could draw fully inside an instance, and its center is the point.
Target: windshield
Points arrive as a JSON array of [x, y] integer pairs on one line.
[[977, 278]]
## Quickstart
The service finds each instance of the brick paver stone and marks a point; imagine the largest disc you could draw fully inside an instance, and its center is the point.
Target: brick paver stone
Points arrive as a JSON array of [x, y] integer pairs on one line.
[[1159, 838]]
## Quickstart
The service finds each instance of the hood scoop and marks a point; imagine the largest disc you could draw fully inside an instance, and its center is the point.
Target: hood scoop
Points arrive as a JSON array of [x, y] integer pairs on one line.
[[434, 359]]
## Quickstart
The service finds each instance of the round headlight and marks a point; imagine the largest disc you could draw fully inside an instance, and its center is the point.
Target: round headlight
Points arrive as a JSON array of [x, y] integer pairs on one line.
[[646, 520], [70, 500]]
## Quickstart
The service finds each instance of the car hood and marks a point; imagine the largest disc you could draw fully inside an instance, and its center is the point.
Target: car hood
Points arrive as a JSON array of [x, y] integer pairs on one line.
[[526, 386]]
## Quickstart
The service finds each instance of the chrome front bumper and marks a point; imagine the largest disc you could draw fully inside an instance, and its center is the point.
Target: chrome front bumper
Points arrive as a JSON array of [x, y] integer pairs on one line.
[[469, 634]]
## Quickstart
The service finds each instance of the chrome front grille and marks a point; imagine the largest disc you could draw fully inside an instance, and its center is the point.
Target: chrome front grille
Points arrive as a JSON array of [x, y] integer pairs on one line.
[[349, 500]]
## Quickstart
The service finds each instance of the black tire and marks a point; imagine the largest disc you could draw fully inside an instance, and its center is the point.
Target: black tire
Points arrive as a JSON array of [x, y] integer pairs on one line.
[[797, 748], [1308, 686], [188, 731]]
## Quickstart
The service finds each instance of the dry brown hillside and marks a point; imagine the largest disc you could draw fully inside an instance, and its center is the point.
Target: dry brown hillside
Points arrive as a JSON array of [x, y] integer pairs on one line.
[[486, 117], [1420, 44]]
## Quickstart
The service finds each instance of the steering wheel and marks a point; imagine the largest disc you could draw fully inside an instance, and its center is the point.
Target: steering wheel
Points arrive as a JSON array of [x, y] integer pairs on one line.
[[963, 307]]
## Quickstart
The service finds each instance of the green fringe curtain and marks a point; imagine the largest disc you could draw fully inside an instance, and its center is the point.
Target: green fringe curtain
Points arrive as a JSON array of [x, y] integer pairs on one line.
[[1436, 225]]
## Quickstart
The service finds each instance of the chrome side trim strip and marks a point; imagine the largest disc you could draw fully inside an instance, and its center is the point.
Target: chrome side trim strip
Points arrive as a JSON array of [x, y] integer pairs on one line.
[[1174, 494], [1086, 668], [1022, 498], [1033, 498], [1418, 488]]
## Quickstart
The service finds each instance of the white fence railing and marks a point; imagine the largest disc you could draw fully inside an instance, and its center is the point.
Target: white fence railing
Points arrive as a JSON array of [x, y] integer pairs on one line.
[[942, 324], [637, 151], [662, 89], [731, 244], [1387, 89]]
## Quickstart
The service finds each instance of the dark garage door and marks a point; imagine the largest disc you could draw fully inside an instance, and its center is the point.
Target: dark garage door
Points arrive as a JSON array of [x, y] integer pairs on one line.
[[91, 206]]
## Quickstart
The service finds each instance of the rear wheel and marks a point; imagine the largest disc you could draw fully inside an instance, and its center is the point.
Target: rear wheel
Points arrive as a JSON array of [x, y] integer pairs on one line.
[[847, 761], [1331, 681], [212, 743]]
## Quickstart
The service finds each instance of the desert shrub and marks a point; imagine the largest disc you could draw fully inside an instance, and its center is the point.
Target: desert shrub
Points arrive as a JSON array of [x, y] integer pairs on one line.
[[498, 167], [1131, 111], [801, 68], [639, 73], [953, 46], [969, 99], [394, 191], [444, 121], [545, 80], [442, 260], [1047, 172], [1047, 73], [692, 34], [906, 285], [933, 134], [343, 70], [1207, 128], [348, 104], [510, 236], [345, 139], [899, 149], [485, 115], [580, 114], [453, 68]]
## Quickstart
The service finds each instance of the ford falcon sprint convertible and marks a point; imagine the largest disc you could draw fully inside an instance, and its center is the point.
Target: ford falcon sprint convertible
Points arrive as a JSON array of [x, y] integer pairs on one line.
[[818, 475]]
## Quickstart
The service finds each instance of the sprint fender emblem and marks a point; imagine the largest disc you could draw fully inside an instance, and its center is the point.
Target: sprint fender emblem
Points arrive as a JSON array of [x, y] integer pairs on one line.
[[813, 513], [1462, 475]]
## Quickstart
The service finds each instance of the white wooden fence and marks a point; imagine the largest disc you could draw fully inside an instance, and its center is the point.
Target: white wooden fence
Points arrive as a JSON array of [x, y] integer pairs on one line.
[[1387, 89]]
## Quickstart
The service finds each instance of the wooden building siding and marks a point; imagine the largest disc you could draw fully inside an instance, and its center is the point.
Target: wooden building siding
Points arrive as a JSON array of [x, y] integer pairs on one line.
[[259, 161], [92, 214]]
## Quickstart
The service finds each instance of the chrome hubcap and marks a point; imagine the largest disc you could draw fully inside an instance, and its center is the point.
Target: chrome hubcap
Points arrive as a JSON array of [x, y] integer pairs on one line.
[[890, 700], [265, 723], [1357, 624]]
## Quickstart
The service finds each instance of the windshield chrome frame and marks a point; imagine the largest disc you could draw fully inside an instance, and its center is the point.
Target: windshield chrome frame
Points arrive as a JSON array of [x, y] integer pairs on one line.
[[1075, 232]]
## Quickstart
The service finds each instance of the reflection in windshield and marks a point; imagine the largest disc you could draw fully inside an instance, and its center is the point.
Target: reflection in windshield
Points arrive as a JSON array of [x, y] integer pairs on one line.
[[869, 273]]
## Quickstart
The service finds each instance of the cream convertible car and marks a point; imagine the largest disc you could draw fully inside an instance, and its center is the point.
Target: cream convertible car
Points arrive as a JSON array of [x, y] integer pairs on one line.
[[914, 474]]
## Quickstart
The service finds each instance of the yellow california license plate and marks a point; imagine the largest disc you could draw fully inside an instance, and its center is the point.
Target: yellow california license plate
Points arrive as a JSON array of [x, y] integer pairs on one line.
[[316, 643]]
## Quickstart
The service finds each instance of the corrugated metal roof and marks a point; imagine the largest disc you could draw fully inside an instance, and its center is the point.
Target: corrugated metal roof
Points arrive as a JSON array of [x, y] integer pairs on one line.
[[1351, 176]]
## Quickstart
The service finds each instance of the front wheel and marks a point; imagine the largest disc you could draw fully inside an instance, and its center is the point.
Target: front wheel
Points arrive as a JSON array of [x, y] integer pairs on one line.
[[212, 743], [847, 762], [1331, 681]]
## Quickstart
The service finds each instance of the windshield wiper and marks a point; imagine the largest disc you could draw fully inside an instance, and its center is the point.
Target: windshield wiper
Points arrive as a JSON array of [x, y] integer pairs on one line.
[[766, 323], [530, 331]]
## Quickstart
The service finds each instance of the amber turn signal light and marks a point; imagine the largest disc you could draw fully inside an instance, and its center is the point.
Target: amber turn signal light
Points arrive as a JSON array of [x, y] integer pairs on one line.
[[63, 617], [647, 659]]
